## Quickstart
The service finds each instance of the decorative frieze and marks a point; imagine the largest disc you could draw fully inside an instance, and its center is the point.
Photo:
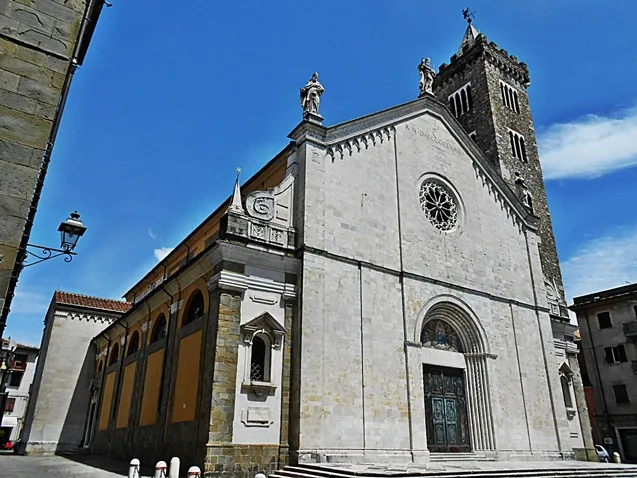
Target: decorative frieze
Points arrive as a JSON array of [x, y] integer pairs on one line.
[[257, 416], [360, 142], [239, 282]]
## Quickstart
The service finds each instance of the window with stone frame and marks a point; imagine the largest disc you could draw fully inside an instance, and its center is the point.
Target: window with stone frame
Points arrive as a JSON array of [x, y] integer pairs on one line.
[[615, 354], [518, 145], [461, 101], [261, 336], [566, 391], [509, 96], [621, 394], [9, 405], [603, 320]]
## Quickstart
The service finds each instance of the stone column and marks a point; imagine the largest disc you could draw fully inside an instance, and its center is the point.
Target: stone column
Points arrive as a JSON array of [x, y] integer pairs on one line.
[[284, 447], [479, 402], [220, 455]]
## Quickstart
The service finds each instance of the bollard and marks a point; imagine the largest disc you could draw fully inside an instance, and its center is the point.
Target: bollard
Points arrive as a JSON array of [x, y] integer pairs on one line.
[[160, 469], [616, 458], [194, 471], [259, 475], [133, 468], [173, 471]]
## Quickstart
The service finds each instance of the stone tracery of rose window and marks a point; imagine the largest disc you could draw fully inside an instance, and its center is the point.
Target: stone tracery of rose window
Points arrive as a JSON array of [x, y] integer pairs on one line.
[[439, 205]]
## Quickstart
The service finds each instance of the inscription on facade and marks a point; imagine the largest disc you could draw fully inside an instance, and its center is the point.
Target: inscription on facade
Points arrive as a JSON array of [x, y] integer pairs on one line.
[[433, 138]]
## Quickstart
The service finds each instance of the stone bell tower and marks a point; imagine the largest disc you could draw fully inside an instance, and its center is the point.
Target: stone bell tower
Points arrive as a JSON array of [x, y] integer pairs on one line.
[[485, 89]]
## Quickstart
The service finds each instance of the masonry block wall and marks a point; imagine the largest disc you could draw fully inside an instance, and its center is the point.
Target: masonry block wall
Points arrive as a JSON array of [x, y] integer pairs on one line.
[[486, 67], [56, 416], [372, 263], [37, 41]]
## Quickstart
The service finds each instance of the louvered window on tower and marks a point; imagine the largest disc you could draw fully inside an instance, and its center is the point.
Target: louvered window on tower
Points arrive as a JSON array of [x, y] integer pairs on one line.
[[461, 101], [509, 97], [518, 146]]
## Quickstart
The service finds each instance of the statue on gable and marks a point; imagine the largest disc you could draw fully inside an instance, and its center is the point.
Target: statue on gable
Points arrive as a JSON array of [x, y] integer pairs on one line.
[[311, 96], [427, 76]]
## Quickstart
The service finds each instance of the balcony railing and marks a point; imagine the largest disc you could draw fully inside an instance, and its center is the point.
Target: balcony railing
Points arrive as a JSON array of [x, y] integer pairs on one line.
[[630, 329]]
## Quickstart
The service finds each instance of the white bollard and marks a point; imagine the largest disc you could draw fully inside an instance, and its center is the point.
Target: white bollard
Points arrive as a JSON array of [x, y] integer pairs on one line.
[[259, 475], [133, 468], [173, 471], [194, 471], [616, 458], [160, 469]]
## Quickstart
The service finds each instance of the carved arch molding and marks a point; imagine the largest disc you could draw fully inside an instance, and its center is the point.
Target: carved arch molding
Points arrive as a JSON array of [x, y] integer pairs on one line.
[[446, 326]]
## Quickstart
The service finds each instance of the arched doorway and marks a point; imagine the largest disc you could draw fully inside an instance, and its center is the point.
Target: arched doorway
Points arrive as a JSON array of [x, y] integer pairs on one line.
[[446, 415], [458, 414]]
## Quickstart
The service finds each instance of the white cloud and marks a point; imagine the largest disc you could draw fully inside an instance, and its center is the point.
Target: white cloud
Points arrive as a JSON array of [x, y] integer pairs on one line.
[[29, 303], [602, 263], [152, 234], [589, 146], [162, 252]]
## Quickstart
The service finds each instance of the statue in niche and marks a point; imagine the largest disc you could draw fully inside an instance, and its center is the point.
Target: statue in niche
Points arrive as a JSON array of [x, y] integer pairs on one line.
[[427, 76], [523, 191], [311, 95]]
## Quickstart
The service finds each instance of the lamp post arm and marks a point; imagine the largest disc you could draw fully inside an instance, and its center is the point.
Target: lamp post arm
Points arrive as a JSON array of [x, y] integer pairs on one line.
[[46, 254]]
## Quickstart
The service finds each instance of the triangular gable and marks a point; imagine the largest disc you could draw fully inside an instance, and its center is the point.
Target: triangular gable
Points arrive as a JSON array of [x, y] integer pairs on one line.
[[347, 138]]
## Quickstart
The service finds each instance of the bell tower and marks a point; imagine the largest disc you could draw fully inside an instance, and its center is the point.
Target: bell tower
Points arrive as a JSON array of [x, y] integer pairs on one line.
[[485, 88]]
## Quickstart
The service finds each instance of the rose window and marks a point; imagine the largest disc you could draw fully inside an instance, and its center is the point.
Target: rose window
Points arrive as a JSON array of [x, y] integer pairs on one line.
[[439, 205]]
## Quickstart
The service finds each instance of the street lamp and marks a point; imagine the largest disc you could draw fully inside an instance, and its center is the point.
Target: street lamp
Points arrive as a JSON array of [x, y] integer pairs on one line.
[[70, 232]]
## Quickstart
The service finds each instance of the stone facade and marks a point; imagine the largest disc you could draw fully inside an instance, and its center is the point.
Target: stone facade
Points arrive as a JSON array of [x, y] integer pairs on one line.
[[608, 328], [42, 43], [56, 419]]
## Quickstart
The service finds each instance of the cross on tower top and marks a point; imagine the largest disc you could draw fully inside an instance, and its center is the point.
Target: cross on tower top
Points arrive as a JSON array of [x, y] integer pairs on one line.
[[468, 15]]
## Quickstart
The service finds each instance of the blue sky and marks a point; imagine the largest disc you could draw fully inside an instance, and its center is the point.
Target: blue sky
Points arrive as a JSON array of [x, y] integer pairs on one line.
[[172, 98]]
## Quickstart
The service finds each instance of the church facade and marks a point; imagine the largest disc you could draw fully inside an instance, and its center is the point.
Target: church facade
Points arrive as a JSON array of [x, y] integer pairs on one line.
[[383, 290]]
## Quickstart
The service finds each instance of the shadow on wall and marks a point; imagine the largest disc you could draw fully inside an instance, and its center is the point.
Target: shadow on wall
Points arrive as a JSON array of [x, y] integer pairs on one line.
[[72, 433]]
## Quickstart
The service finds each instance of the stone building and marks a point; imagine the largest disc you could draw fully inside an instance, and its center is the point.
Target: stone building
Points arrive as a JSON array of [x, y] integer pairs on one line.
[[17, 383], [42, 44], [383, 290], [608, 328], [59, 413]]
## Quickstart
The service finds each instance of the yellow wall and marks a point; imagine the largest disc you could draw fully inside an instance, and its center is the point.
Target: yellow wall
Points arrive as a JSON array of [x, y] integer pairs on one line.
[[126, 395], [185, 399], [152, 381], [107, 400]]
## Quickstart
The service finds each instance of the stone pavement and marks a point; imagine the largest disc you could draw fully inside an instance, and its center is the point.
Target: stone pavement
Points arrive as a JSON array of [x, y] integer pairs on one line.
[[15, 466]]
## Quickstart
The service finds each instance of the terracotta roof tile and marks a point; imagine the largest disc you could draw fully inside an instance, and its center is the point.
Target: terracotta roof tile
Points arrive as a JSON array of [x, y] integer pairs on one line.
[[92, 302]]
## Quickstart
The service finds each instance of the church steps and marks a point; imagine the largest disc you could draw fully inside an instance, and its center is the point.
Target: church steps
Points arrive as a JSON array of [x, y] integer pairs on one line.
[[595, 471]]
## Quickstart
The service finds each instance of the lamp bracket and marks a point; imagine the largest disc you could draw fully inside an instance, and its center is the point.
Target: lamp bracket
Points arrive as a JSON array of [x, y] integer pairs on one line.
[[46, 253]]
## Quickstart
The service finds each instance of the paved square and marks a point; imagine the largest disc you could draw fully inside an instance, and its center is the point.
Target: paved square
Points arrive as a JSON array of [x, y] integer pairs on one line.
[[15, 466]]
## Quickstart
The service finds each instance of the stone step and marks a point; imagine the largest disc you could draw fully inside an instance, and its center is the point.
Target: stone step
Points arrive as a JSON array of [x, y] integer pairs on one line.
[[447, 457], [543, 471]]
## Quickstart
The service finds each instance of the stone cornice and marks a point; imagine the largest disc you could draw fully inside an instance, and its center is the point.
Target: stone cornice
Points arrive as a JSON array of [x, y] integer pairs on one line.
[[82, 316], [239, 282], [568, 347]]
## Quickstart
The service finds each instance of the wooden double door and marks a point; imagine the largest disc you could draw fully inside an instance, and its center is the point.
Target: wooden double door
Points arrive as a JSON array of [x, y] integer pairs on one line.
[[446, 410]]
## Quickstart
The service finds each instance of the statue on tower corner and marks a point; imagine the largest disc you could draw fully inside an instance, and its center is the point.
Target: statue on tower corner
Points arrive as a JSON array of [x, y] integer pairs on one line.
[[311, 99], [427, 76]]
